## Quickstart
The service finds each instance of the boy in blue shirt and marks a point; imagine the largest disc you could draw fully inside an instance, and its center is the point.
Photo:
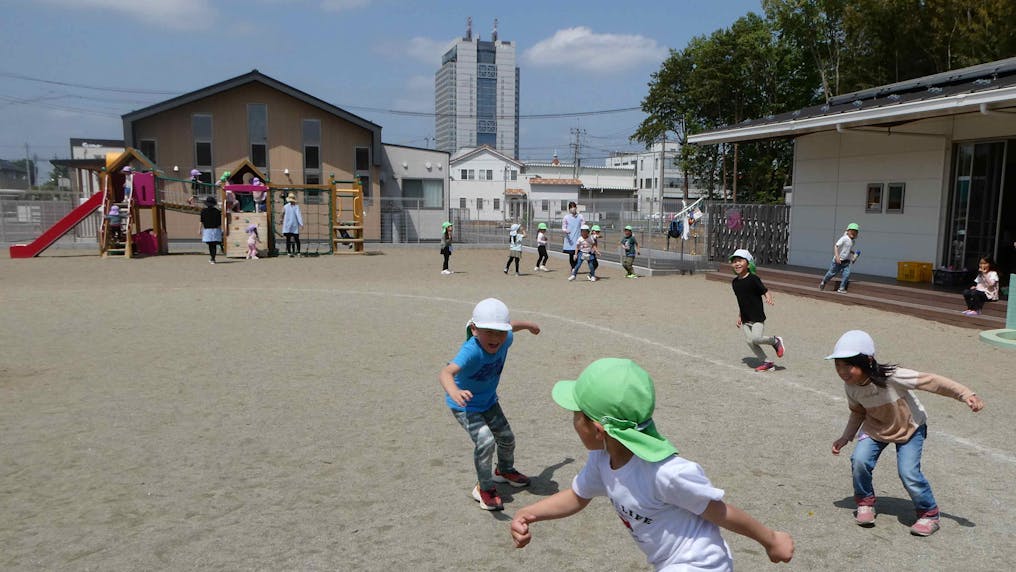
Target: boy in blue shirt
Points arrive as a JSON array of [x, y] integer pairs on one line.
[[470, 381]]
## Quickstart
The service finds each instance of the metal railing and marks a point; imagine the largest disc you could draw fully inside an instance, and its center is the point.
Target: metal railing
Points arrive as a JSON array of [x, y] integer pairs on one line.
[[24, 220]]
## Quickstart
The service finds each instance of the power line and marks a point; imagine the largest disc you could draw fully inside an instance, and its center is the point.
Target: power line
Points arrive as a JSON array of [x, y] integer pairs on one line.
[[92, 87]]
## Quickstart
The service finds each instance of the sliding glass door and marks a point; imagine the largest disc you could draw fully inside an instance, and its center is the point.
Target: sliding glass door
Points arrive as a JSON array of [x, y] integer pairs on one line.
[[974, 205]]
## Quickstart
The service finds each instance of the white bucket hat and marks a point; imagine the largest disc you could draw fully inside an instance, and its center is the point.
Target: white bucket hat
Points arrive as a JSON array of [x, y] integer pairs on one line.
[[852, 343]]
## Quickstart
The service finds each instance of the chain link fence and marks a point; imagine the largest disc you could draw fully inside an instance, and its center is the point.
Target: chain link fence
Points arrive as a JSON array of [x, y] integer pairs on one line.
[[22, 220]]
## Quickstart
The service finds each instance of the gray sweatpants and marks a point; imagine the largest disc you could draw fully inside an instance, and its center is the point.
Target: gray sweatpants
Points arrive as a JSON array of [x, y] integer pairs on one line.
[[753, 335]]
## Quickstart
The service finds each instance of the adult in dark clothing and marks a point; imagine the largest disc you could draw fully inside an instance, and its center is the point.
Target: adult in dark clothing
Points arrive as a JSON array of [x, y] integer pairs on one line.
[[211, 227]]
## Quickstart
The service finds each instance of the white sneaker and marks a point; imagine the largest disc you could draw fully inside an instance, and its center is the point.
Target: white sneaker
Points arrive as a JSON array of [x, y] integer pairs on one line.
[[570, 276], [544, 268], [592, 279], [446, 272], [255, 258], [536, 269]]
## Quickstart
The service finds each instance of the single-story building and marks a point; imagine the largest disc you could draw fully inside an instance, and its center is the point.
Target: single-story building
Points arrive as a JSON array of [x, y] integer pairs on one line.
[[926, 167]]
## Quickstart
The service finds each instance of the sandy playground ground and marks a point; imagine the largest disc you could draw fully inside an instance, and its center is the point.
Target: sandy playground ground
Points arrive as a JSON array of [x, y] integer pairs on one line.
[[285, 414]]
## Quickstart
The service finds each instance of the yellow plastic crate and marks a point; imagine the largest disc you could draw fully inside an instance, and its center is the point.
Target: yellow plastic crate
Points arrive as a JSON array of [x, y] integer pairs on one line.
[[910, 271]]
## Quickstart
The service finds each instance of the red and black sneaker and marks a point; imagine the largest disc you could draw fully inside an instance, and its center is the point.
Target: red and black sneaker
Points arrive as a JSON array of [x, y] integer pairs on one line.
[[780, 348], [512, 477], [488, 499]]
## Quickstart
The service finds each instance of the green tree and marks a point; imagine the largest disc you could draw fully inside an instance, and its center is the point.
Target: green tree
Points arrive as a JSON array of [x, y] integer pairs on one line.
[[58, 172]]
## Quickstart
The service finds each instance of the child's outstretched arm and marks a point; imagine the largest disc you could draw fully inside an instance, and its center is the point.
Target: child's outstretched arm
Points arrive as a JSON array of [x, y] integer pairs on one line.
[[560, 505], [447, 379], [853, 424], [944, 386], [778, 544], [520, 325]]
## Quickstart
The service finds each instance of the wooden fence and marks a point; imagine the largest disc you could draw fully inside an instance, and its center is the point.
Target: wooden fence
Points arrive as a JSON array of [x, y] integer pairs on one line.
[[763, 229]]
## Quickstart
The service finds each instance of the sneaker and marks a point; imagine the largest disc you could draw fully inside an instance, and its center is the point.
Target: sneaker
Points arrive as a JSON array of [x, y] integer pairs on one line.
[[924, 527], [841, 291], [512, 477], [211, 262], [517, 274], [821, 285], [571, 277], [488, 499], [544, 268], [865, 516], [506, 271], [780, 348], [971, 313], [446, 272], [766, 366]]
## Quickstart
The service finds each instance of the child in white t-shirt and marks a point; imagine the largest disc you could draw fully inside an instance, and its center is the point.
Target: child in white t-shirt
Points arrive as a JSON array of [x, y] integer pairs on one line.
[[667, 503]]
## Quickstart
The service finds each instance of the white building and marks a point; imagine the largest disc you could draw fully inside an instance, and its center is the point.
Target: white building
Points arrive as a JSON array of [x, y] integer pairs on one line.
[[648, 172], [487, 184], [920, 165], [476, 95], [414, 193]]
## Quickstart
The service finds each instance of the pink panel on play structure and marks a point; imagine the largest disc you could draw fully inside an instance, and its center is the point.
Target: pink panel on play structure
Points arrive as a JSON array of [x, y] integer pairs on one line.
[[144, 189]]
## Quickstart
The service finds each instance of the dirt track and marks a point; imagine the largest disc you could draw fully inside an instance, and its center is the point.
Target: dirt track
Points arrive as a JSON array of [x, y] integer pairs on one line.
[[285, 414]]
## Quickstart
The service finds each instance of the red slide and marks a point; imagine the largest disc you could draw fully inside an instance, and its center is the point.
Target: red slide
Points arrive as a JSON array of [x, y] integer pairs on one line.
[[62, 226]]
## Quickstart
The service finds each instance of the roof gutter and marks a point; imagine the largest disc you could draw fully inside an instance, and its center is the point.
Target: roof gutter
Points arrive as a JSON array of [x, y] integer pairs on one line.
[[952, 105]]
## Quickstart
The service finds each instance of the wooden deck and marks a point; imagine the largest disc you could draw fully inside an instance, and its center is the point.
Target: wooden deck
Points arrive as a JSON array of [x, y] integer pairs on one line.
[[914, 299]]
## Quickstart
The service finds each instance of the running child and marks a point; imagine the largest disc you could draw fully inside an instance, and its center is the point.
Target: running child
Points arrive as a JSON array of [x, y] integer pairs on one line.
[[751, 316], [594, 236], [631, 249], [515, 236], [883, 405], [843, 257], [671, 510], [470, 382], [541, 247], [583, 251], [446, 245]]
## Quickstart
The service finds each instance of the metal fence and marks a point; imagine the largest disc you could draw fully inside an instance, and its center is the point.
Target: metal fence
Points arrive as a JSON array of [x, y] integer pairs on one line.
[[763, 229], [23, 220]]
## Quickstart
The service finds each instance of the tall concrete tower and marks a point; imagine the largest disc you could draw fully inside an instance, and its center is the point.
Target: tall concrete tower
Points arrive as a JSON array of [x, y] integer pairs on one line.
[[476, 95]]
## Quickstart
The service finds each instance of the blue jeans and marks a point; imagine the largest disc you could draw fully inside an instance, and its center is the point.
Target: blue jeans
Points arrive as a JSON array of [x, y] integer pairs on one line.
[[489, 430], [835, 269], [591, 262], [908, 462]]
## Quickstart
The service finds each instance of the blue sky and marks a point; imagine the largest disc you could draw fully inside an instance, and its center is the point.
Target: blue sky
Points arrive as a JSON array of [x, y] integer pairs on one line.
[[99, 59]]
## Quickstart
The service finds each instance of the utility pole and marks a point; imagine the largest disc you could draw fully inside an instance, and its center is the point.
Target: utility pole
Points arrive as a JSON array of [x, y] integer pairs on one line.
[[661, 171], [576, 148], [28, 167]]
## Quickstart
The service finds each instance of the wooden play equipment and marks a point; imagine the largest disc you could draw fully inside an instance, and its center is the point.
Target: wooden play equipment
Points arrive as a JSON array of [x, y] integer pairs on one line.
[[139, 203], [347, 218]]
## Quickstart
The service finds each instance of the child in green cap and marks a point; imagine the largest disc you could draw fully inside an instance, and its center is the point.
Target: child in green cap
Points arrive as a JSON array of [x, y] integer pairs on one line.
[[631, 249], [843, 256], [541, 247], [446, 246], [666, 502], [750, 291]]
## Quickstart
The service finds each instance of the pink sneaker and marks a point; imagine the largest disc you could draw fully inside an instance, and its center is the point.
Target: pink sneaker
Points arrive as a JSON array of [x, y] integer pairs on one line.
[[512, 477], [924, 527], [865, 516], [766, 366], [780, 348]]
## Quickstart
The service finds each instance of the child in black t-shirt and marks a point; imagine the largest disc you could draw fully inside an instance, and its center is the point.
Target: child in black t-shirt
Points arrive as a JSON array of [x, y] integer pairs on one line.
[[751, 317]]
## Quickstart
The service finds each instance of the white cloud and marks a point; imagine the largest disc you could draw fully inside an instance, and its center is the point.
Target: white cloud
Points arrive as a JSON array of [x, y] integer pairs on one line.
[[427, 50], [343, 5], [185, 14], [581, 48]]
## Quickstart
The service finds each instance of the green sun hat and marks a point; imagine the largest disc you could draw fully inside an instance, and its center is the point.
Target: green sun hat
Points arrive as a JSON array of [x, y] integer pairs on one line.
[[854, 226], [596, 228], [542, 226], [445, 225], [628, 227], [619, 395]]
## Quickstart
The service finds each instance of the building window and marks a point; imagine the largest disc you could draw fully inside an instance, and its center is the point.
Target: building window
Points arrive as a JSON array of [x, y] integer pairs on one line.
[[497, 204], [311, 136], [362, 165], [873, 202], [513, 175], [479, 204], [462, 202], [483, 175], [545, 205], [894, 198], [564, 205], [462, 174], [201, 131], [471, 174], [257, 134], [428, 192], [147, 147], [490, 175]]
